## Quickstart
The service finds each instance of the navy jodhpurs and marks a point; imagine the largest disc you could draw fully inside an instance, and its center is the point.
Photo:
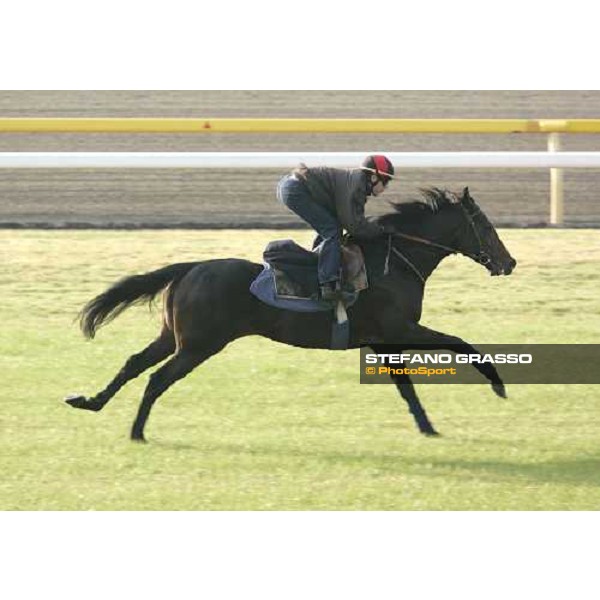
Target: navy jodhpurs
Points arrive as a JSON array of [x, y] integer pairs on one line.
[[294, 194]]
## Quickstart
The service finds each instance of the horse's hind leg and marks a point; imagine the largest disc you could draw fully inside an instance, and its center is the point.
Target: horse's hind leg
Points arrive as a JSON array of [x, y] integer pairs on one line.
[[158, 350], [175, 368]]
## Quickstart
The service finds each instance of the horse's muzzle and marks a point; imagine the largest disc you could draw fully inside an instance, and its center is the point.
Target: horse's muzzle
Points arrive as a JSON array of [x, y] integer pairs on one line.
[[505, 269], [511, 266]]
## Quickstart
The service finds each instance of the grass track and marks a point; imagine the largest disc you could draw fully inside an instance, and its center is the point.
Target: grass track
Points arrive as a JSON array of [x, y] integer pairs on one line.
[[241, 434]]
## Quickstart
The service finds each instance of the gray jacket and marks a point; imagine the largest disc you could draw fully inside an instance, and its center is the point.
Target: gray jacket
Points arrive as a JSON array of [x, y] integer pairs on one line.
[[343, 192]]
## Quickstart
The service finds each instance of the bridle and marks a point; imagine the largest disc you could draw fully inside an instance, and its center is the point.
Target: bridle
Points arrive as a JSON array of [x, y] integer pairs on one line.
[[482, 257]]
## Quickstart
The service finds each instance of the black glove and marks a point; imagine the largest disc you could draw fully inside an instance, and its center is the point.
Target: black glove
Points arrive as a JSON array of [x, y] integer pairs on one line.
[[387, 229]]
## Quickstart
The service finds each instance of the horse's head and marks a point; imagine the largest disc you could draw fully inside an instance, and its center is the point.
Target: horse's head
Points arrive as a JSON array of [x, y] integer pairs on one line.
[[478, 238], [457, 224]]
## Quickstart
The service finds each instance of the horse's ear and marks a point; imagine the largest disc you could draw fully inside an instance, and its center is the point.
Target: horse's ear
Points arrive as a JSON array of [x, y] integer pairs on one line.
[[466, 194]]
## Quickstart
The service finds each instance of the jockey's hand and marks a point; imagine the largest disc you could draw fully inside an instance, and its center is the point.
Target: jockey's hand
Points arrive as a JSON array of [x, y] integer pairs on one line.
[[388, 229]]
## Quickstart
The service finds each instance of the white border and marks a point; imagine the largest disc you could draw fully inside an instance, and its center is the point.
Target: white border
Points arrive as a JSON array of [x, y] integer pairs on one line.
[[297, 555]]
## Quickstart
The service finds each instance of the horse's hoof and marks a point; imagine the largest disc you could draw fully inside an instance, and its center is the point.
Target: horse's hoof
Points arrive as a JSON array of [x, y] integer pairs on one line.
[[138, 439], [499, 389], [82, 402], [76, 401], [433, 433]]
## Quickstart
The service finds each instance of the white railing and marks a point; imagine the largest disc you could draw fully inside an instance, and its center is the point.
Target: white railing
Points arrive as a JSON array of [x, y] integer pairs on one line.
[[283, 160]]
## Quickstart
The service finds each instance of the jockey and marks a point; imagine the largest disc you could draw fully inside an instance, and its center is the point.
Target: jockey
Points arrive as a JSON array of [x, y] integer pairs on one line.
[[330, 200]]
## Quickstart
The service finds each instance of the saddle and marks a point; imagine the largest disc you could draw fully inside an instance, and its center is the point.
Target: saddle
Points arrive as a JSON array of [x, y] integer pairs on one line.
[[292, 271], [289, 281], [295, 270]]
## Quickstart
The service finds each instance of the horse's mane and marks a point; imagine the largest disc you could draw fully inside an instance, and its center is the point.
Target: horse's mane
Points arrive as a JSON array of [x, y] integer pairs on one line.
[[432, 200]]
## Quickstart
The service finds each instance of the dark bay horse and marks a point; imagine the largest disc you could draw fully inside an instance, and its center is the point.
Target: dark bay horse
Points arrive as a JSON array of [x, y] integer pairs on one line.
[[207, 304]]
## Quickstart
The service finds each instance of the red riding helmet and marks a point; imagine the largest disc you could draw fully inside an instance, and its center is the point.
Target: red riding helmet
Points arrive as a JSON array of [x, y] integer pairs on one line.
[[381, 166]]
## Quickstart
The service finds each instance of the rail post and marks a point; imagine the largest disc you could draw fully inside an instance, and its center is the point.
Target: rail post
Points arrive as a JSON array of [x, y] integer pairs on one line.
[[556, 184]]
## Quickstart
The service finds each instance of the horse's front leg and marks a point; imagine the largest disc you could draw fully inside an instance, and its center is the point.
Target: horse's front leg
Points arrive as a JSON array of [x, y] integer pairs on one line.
[[418, 335], [407, 390]]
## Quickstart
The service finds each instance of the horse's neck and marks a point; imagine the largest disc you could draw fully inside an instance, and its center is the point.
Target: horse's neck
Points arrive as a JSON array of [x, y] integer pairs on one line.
[[424, 257]]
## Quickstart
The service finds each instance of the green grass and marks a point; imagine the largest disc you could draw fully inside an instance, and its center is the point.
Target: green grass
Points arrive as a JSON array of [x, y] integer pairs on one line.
[[263, 426]]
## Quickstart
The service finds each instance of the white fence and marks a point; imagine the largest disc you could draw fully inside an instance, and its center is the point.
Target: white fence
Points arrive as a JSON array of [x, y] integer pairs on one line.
[[283, 160]]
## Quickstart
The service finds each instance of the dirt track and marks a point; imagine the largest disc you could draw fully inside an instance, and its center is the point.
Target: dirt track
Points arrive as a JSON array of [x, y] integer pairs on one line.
[[246, 197]]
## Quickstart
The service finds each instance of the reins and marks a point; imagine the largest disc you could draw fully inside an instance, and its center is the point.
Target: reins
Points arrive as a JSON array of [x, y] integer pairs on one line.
[[427, 242], [400, 255]]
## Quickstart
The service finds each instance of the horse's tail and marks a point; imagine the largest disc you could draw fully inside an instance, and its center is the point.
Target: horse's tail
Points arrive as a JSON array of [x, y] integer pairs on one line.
[[126, 292]]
